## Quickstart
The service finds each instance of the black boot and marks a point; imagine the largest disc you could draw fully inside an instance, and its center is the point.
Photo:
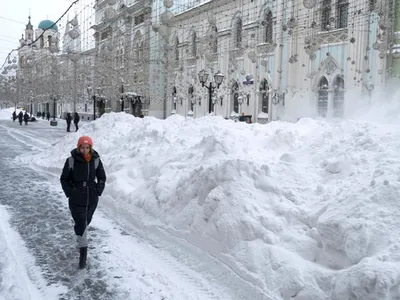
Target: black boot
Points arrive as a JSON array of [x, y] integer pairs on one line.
[[82, 257]]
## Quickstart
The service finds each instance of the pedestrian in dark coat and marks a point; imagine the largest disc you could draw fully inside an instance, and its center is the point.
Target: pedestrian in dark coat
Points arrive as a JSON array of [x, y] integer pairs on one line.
[[14, 116], [69, 120], [76, 121], [83, 184], [20, 117], [48, 116], [26, 118]]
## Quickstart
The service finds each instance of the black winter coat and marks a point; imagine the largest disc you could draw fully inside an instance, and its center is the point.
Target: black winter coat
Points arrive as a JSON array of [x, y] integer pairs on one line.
[[83, 184]]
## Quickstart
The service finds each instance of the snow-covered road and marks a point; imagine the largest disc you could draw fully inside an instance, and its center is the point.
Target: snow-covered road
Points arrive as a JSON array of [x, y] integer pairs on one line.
[[121, 265]]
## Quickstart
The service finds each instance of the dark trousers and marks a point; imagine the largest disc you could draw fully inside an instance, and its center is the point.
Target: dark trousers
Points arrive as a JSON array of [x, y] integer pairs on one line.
[[76, 126], [80, 215], [68, 127]]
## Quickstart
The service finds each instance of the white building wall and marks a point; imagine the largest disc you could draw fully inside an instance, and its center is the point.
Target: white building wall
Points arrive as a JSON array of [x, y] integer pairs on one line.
[[288, 68]]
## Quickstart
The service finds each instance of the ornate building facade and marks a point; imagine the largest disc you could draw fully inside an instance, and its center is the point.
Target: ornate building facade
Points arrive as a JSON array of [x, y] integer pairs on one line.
[[280, 59]]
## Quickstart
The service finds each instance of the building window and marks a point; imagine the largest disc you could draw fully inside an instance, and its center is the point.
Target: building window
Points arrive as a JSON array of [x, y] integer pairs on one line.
[[268, 27], [323, 97], [191, 95], [264, 95], [174, 98], [194, 45], [176, 48], [372, 5], [138, 40], [326, 14], [338, 97], [238, 33], [342, 13], [139, 19], [235, 95], [104, 35]]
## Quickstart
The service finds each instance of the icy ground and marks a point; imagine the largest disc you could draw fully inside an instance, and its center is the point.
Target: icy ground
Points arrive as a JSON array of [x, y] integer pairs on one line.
[[287, 211]]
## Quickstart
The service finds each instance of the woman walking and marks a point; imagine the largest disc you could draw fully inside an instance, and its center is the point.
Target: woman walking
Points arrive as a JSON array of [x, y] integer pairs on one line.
[[83, 180]]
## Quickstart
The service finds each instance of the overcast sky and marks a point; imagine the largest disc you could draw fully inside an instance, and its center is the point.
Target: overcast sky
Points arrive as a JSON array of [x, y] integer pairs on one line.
[[14, 17]]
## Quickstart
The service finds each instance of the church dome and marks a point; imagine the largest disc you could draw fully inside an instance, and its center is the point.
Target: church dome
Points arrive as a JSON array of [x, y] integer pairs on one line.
[[45, 24]]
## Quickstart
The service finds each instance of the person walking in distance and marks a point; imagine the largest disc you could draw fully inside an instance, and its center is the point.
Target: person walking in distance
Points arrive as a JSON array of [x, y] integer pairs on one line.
[[26, 118], [69, 120], [76, 121], [20, 117], [83, 180]]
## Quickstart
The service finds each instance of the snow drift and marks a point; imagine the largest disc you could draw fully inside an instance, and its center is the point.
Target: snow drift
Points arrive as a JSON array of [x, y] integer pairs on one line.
[[306, 210]]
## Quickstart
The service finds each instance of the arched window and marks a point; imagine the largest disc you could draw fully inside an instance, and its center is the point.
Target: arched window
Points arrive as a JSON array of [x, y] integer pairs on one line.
[[338, 97], [237, 42], [194, 45], [264, 95], [323, 87], [326, 14], [268, 26]]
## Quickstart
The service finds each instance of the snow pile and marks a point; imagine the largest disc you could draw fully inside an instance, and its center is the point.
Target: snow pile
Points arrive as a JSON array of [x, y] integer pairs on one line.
[[306, 210]]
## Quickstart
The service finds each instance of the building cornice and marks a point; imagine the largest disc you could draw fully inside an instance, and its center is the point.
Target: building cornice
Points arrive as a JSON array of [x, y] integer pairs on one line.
[[204, 7]]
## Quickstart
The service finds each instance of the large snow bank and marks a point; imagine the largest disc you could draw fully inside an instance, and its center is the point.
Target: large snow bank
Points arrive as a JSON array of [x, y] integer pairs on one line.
[[306, 210]]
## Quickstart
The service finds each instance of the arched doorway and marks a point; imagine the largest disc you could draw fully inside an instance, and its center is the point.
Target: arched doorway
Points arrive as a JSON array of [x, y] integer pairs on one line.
[[323, 87], [338, 97], [235, 97], [264, 95]]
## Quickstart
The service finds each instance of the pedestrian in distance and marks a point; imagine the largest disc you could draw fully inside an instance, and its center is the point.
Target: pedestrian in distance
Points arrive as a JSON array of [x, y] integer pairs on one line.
[[26, 118], [83, 180], [14, 116], [69, 120], [20, 117], [48, 116], [76, 121]]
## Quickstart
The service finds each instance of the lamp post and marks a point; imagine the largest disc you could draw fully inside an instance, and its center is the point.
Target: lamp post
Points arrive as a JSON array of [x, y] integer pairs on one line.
[[218, 78], [31, 106], [54, 97]]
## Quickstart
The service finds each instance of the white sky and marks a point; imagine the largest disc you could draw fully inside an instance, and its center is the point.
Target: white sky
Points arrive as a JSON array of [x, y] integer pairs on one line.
[[14, 16]]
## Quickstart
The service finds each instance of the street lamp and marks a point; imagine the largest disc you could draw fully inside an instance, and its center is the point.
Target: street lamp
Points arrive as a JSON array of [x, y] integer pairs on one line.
[[218, 78], [54, 98], [94, 97]]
